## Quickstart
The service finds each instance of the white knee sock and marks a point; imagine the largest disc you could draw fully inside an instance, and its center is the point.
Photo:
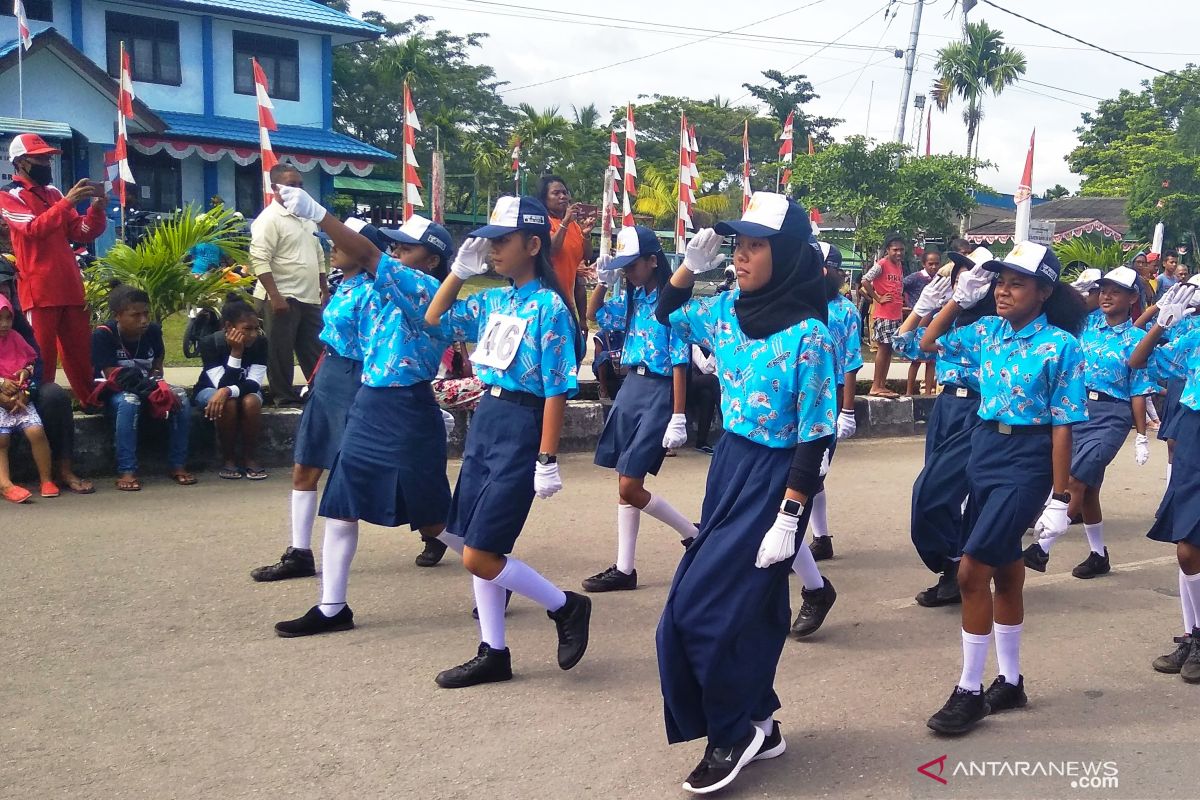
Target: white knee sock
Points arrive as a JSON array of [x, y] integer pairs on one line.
[[1193, 582], [629, 519], [767, 726], [304, 511], [805, 566], [1151, 411], [662, 511], [451, 540], [818, 521], [1185, 600], [975, 652], [1095, 537], [341, 540], [1008, 651], [489, 602], [1046, 542], [525, 580], [1169, 471]]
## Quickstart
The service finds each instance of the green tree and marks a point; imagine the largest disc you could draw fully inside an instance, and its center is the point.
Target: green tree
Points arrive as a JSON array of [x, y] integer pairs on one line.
[[783, 94], [1057, 192], [973, 68], [1167, 191], [658, 198]]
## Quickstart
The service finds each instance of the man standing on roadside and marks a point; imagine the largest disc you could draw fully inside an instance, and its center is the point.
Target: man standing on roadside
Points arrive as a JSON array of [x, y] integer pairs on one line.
[[287, 259], [883, 283], [1167, 279]]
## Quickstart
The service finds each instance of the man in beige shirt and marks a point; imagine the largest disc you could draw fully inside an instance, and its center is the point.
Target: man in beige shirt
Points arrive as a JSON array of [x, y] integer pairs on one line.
[[288, 261]]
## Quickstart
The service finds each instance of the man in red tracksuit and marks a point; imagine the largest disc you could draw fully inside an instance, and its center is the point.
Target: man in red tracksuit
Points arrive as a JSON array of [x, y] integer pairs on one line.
[[43, 222]]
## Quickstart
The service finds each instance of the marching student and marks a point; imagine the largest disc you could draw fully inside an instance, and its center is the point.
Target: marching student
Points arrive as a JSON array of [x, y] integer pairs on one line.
[[941, 489], [1031, 392], [1178, 516], [527, 357], [649, 415], [391, 468], [1116, 393], [726, 617]]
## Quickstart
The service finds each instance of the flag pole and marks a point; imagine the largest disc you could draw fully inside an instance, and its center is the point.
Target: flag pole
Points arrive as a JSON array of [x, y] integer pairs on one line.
[[121, 193], [20, 80]]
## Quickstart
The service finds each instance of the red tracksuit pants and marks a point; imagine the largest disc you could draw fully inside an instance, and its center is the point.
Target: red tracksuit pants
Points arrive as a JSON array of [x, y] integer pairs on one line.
[[65, 331]]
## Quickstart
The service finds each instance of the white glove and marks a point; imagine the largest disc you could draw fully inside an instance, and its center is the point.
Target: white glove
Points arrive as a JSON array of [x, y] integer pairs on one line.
[[1171, 313], [300, 203], [606, 276], [546, 480], [470, 261], [847, 424], [448, 421], [676, 434], [702, 251], [778, 543], [973, 285], [1141, 449], [933, 296], [1054, 521]]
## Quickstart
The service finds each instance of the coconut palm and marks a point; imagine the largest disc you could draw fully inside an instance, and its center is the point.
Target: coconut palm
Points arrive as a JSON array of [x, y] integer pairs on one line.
[[973, 68], [658, 197], [490, 163], [545, 137]]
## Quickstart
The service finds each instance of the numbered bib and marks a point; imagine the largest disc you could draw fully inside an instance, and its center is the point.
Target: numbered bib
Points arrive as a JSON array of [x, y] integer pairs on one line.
[[498, 346]]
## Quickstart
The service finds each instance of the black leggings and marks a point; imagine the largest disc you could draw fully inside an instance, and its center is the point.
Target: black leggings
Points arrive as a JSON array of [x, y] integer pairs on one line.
[[53, 405], [704, 392]]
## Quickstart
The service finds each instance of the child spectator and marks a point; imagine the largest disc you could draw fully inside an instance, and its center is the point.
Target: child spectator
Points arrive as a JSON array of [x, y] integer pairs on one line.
[[16, 411], [229, 390], [608, 342]]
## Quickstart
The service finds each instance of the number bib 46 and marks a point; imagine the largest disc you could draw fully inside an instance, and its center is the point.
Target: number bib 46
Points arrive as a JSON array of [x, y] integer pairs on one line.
[[498, 346]]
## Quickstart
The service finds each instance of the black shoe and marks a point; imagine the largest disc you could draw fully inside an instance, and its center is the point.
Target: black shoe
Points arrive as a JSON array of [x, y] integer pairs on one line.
[[1095, 564], [773, 746], [689, 541], [814, 609], [488, 666], [315, 622], [507, 600], [1171, 663], [294, 563], [703, 448], [611, 580], [1190, 669], [434, 550], [961, 713], [821, 548], [721, 765], [946, 591], [1036, 558], [1002, 695], [572, 621]]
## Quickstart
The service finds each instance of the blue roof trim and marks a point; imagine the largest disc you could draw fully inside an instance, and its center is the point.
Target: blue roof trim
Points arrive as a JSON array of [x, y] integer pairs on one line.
[[288, 139], [10, 45], [303, 13]]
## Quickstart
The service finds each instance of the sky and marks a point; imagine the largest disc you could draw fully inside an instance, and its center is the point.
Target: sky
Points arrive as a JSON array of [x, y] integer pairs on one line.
[[857, 78]]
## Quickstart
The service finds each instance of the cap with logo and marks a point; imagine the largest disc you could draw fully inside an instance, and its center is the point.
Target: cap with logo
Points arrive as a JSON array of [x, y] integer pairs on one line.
[[1125, 277], [978, 256], [831, 254], [633, 242], [513, 214], [1194, 280], [30, 144], [1029, 258], [769, 214], [425, 232], [370, 231]]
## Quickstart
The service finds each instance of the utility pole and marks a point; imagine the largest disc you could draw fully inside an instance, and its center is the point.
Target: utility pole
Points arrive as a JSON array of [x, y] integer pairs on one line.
[[910, 63]]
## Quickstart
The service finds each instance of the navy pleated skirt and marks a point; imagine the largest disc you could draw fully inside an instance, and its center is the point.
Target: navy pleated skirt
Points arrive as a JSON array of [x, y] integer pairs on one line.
[[1170, 412], [1096, 442], [319, 436], [725, 622], [632, 437], [1010, 478], [391, 469], [1178, 517], [941, 488]]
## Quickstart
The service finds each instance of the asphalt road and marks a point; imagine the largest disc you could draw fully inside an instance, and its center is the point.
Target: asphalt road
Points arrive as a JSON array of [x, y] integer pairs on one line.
[[138, 659]]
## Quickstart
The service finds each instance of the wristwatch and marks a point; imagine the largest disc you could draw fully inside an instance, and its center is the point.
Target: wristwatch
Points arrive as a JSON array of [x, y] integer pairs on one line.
[[1062, 497], [547, 458], [793, 508]]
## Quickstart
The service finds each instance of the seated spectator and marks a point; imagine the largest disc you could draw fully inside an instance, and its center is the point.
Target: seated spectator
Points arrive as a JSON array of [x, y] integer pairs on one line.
[[229, 390], [456, 385], [703, 396], [127, 355], [608, 341], [206, 257], [16, 410]]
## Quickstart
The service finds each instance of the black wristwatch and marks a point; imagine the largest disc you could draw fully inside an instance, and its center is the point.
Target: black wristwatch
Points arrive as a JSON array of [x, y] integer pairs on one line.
[[1062, 497], [793, 508], [547, 458]]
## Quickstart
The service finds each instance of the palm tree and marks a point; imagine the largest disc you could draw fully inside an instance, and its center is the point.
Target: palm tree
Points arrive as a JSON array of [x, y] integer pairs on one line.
[[489, 161], [970, 69], [658, 197], [587, 117], [544, 137]]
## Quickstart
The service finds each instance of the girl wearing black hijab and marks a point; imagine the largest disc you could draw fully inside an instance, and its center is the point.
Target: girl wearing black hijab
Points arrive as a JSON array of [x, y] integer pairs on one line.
[[726, 616]]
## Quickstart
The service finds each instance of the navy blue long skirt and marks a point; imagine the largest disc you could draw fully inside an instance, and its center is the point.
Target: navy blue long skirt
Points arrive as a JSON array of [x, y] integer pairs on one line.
[[1095, 443], [939, 491], [1178, 516], [1170, 412], [632, 437], [495, 485], [323, 421], [1010, 478], [392, 466], [725, 622]]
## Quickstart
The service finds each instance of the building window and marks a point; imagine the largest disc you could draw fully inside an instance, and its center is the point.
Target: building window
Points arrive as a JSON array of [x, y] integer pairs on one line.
[[41, 10], [248, 189], [279, 59], [153, 46], [158, 185]]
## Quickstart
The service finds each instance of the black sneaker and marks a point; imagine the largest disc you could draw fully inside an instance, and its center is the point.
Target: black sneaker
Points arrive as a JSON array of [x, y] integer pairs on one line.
[[961, 713], [294, 563], [315, 622], [507, 600], [821, 548], [721, 765], [814, 609], [773, 746], [434, 550], [1036, 558], [689, 541], [572, 621], [611, 580], [945, 592], [488, 666], [1095, 564], [706, 449], [1002, 695], [1171, 663], [1190, 669]]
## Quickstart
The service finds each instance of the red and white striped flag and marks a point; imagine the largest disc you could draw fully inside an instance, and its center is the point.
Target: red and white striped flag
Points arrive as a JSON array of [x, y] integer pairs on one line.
[[112, 172], [746, 190], [412, 182], [630, 168], [612, 181], [266, 123], [124, 111], [785, 148], [23, 34], [516, 166], [693, 156], [683, 216]]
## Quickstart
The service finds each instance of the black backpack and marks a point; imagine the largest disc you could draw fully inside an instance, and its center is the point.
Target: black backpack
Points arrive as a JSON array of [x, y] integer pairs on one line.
[[205, 323]]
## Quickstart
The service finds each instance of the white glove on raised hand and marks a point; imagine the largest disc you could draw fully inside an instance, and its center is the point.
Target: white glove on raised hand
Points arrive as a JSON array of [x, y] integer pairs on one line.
[[448, 421], [676, 433], [470, 260], [973, 285], [546, 480], [702, 251], [778, 543], [1141, 449], [1054, 520], [606, 276], [1171, 313], [300, 203], [933, 296], [847, 424]]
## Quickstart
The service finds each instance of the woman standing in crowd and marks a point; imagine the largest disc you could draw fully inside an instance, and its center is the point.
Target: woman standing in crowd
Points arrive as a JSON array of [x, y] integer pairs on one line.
[[726, 617], [570, 230]]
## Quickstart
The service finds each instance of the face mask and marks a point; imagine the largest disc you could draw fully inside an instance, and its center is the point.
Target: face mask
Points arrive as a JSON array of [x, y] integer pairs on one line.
[[41, 174]]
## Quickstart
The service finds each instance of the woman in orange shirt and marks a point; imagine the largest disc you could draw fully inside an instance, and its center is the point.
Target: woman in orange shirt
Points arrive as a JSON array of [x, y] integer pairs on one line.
[[569, 234]]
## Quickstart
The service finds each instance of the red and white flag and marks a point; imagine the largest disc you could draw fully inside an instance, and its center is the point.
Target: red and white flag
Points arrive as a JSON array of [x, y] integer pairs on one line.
[[693, 155], [630, 168], [746, 190], [683, 215], [412, 182], [266, 124], [785, 149], [1024, 196], [23, 34], [612, 182], [124, 111], [516, 164]]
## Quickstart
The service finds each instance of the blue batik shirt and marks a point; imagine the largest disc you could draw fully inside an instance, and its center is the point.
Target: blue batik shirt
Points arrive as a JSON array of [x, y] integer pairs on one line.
[[776, 391], [1033, 376], [845, 326], [545, 364], [1106, 352], [955, 363], [402, 351], [1179, 359], [350, 317], [611, 315], [647, 341]]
